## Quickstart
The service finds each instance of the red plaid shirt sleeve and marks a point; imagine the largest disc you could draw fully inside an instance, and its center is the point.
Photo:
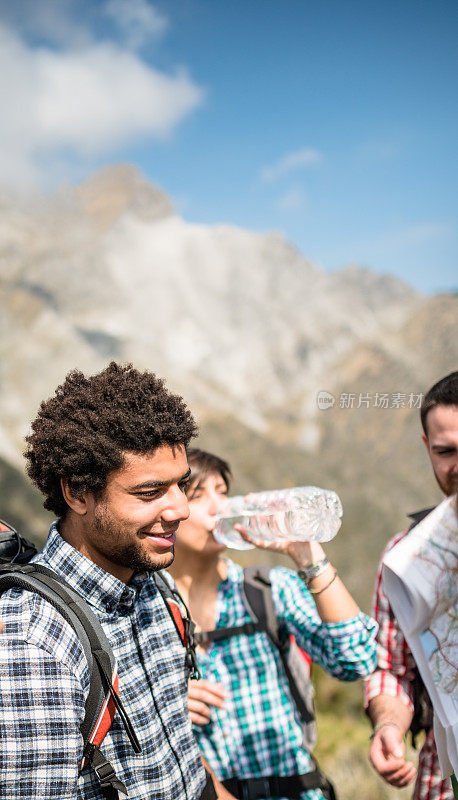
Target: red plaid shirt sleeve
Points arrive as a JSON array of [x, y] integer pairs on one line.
[[394, 676], [395, 665]]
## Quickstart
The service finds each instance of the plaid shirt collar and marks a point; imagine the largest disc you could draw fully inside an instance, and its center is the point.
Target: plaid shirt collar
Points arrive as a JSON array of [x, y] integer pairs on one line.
[[99, 588]]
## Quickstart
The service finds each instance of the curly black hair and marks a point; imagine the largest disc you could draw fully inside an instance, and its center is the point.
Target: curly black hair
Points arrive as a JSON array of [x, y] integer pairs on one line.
[[83, 432]]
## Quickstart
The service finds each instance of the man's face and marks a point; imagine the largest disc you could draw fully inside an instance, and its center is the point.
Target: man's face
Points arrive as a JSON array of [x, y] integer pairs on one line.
[[442, 445], [132, 526]]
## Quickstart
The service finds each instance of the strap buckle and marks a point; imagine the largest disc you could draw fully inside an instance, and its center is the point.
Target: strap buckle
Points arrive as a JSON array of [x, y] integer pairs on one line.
[[105, 773], [191, 641], [110, 784]]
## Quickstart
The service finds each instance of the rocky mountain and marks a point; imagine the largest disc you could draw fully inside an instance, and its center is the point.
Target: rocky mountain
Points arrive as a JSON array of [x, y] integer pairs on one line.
[[240, 323]]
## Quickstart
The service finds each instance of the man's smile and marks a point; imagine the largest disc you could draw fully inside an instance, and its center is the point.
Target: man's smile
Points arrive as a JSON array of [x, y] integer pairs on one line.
[[162, 538]]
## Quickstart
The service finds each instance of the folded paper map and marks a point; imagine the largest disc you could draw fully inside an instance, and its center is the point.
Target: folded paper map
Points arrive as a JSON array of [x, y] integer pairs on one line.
[[420, 577]]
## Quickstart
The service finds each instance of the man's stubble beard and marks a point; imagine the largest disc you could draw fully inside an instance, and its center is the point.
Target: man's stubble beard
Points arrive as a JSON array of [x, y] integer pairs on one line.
[[449, 488], [128, 555]]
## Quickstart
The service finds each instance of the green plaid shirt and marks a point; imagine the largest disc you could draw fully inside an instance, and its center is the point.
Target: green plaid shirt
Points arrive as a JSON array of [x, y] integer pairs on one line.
[[258, 732]]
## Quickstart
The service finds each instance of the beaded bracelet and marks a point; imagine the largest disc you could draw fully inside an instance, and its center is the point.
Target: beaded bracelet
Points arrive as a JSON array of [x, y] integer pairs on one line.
[[312, 571], [318, 591]]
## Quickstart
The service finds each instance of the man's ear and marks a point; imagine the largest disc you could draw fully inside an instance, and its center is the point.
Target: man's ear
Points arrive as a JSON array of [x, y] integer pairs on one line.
[[77, 504], [425, 440]]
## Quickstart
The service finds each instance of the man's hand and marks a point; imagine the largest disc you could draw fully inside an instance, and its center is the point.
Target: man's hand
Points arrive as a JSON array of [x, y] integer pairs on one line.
[[387, 756], [201, 695]]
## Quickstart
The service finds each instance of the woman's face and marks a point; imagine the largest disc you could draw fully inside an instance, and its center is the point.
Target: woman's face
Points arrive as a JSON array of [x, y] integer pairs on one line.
[[205, 500]]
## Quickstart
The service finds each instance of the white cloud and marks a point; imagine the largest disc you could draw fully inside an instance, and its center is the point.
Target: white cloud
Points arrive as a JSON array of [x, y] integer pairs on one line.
[[293, 199], [72, 22], [80, 102], [291, 162], [137, 20], [58, 23]]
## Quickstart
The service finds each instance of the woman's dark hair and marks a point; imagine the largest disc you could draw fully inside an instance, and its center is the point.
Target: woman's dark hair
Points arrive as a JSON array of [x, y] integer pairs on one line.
[[443, 393], [204, 464], [83, 432]]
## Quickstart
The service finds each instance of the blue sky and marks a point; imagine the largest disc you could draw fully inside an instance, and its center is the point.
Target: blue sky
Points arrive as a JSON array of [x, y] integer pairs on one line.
[[334, 122]]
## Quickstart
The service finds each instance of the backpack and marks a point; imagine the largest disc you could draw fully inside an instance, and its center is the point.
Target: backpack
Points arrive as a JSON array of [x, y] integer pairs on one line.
[[257, 598], [103, 699]]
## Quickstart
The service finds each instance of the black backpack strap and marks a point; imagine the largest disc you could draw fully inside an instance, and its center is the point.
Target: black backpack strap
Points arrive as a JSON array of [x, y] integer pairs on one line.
[[257, 597], [291, 786], [257, 594], [44, 582], [112, 787], [100, 659], [423, 714], [418, 516], [259, 605], [258, 601], [204, 637]]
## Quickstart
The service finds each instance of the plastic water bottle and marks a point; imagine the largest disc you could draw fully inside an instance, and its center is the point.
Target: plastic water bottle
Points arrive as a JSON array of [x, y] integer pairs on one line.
[[305, 513]]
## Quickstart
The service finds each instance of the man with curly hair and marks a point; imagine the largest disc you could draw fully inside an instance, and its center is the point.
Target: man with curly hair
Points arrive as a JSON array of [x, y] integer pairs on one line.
[[109, 454]]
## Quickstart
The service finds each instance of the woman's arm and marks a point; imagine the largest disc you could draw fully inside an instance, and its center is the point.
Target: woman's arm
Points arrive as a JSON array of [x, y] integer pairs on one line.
[[333, 601], [321, 613]]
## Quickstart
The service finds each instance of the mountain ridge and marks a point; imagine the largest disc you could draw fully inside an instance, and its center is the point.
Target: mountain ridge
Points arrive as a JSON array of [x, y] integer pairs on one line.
[[240, 323]]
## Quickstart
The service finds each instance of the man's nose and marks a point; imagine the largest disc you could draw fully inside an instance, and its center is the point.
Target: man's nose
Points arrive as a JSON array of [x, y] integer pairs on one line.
[[177, 508]]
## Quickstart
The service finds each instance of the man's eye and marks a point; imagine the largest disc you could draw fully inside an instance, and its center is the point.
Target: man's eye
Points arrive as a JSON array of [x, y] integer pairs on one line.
[[184, 485], [148, 495]]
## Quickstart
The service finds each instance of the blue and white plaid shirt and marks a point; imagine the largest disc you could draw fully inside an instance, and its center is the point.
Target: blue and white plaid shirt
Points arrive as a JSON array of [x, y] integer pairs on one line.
[[258, 732], [44, 682]]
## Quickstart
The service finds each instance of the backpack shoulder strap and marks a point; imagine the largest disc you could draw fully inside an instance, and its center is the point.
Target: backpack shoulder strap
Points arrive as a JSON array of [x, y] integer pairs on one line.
[[257, 597], [257, 589], [103, 699], [172, 603], [257, 600], [181, 619], [417, 516]]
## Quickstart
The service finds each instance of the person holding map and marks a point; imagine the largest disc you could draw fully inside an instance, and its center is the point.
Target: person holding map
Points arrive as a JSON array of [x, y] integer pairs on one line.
[[420, 580], [395, 697]]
